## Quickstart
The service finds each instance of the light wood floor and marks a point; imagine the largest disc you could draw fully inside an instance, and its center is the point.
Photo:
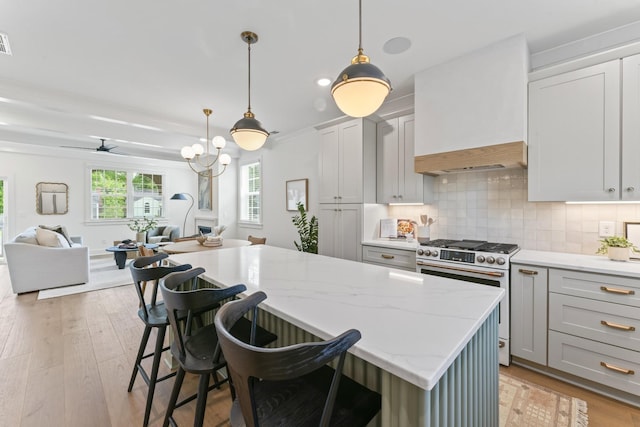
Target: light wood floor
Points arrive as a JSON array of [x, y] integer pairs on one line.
[[67, 361]]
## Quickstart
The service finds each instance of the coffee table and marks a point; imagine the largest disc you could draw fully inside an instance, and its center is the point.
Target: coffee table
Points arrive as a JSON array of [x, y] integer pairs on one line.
[[120, 254]]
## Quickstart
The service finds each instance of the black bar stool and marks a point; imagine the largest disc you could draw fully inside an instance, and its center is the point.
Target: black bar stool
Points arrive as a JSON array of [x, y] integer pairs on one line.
[[293, 385], [154, 315], [197, 351]]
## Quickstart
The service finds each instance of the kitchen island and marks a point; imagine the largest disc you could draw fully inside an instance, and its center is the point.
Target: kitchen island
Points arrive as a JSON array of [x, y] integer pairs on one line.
[[429, 344]]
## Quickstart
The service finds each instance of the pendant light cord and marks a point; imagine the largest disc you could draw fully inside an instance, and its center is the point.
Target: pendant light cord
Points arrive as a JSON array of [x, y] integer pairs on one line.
[[249, 39], [360, 26]]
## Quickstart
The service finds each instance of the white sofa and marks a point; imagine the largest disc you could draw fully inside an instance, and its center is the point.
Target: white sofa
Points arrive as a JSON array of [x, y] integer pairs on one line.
[[33, 266]]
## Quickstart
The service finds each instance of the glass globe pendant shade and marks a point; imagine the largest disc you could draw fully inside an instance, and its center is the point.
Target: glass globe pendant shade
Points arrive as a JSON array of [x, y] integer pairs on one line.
[[198, 149], [248, 133], [361, 88], [219, 142], [225, 159], [187, 153]]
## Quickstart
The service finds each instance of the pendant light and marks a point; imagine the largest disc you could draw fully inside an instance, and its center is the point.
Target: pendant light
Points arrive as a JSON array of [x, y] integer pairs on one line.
[[361, 88], [248, 132]]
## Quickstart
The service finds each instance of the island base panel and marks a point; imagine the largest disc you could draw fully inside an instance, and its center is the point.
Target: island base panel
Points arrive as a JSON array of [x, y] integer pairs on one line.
[[466, 395]]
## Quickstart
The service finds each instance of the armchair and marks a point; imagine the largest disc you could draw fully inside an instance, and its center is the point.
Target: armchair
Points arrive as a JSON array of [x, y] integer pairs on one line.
[[163, 233]]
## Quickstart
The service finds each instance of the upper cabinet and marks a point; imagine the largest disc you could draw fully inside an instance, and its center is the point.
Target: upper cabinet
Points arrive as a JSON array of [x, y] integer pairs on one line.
[[347, 162], [476, 100], [582, 145], [397, 182]]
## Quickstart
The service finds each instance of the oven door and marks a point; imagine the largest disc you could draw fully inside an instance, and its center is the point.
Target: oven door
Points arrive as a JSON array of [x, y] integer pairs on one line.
[[480, 276]]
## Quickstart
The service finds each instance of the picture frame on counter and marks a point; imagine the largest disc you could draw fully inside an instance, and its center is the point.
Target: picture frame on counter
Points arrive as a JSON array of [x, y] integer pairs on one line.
[[632, 233], [297, 191]]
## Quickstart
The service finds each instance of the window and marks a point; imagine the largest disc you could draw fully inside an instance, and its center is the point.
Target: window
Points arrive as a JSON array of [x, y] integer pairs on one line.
[[123, 194], [250, 193]]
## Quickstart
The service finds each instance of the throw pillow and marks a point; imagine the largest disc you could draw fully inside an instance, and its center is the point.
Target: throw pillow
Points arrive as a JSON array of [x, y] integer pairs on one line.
[[27, 236], [58, 229], [167, 231], [51, 239], [155, 239]]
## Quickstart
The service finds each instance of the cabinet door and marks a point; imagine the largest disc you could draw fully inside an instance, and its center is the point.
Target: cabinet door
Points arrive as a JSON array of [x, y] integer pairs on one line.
[[574, 135], [388, 161], [329, 164], [529, 291], [348, 241], [411, 184], [327, 221], [350, 162], [630, 185]]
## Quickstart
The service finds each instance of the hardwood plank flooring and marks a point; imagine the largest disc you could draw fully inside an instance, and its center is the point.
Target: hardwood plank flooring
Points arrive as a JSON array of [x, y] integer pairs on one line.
[[67, 361]]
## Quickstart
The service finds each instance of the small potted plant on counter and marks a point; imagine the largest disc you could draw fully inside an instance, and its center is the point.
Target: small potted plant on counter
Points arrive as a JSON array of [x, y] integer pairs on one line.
[[617, 247]]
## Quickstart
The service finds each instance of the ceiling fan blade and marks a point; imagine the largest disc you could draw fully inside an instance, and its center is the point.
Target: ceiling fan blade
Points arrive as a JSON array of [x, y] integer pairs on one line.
[[77, 148]]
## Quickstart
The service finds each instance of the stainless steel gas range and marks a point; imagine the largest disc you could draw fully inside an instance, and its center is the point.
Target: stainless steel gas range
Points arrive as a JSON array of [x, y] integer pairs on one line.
[[474, 261]]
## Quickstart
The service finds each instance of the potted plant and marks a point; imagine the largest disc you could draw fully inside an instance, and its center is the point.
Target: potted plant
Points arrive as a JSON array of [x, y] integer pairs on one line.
[[617, 247], [141, 226], [307, 229]]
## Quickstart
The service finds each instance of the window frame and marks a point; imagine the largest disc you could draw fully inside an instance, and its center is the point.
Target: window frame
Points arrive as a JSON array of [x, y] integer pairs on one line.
[[241, 167], [130, 193]]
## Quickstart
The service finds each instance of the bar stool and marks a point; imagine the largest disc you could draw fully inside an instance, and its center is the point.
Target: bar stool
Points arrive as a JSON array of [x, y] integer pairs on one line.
[[293, 385], [198, 352], [154, 316]]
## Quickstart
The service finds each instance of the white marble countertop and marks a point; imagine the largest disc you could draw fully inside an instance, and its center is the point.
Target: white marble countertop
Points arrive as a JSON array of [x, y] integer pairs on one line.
[[589, 263], [412, 325], [393, 244]]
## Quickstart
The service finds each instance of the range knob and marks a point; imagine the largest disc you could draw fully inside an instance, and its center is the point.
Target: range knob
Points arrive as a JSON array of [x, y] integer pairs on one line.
[[480, 258], [420, 252], [500, 261], [491, 259], [434, 253]]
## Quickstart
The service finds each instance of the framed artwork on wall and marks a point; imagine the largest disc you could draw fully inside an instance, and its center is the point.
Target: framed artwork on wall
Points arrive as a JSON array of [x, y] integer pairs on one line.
[[632, 233], [297, 192], [205, 192]]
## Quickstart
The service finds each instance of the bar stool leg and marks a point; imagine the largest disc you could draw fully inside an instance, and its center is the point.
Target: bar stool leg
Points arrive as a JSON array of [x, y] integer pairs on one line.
[[174, 396], [203, 388], [157, 356], [143, 345]]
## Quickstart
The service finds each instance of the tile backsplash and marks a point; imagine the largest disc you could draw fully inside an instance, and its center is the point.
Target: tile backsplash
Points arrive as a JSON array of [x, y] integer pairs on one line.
[[492, 205]]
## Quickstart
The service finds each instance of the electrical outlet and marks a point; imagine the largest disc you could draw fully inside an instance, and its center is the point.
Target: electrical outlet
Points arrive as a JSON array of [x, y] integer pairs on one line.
[[607, 228]]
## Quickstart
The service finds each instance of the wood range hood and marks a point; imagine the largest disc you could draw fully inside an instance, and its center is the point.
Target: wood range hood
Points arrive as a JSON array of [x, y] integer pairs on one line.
[[490, 157]]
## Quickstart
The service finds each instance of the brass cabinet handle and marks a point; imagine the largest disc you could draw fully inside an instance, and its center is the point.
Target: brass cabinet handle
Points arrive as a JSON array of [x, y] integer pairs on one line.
[[387, 256], [615, 368], [528, 272], [618, 326], [617, 291], [501, 344]]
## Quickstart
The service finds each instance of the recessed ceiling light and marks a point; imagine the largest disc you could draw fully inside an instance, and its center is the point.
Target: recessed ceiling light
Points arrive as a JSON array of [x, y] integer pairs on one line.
[[324, 82], [397, 45]]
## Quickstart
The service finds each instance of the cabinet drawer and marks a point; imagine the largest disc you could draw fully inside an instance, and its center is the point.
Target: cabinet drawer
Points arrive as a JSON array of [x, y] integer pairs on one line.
[[601, 321], [390, 257], [589, 359], [621, 290]]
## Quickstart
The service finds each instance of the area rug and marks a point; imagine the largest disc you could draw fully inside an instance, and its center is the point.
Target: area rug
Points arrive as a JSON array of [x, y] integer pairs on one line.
[[529, 405], [104, 273]]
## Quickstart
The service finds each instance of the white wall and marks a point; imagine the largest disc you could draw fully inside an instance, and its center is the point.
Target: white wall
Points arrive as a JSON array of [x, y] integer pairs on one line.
[[293, 157], [24, 170]]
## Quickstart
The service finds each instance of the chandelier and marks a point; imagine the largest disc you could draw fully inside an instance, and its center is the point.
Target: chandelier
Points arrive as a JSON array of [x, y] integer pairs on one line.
[[201, 160]]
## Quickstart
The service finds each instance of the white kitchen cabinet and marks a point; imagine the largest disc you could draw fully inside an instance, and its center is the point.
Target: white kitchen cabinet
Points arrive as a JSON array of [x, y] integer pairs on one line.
[[340, 231], [578, 150], [347, 162], [396, 180], [529, 290]]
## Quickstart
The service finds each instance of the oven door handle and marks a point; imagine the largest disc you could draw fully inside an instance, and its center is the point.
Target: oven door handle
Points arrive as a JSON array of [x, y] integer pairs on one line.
[[465, 270]]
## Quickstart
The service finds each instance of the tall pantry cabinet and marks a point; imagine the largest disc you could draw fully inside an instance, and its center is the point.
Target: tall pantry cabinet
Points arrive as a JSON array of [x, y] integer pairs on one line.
[[347, 181]]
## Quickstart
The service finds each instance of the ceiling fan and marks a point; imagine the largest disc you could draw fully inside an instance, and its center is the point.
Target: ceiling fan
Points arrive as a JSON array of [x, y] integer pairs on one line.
[[101, 147]]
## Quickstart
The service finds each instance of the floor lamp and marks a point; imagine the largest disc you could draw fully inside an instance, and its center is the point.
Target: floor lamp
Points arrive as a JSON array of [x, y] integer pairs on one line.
[[183, 196]]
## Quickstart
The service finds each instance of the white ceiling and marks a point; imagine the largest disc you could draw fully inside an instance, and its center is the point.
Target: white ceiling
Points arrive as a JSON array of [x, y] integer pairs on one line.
[[153, 65]]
